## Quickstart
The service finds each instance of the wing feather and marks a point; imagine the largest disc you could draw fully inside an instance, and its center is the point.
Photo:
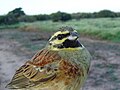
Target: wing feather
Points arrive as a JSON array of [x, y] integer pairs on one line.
[[39, 69]]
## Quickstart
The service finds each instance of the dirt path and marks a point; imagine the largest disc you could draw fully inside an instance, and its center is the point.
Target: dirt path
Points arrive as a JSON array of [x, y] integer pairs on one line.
[[104, 72], [9, 61], [105, 65]]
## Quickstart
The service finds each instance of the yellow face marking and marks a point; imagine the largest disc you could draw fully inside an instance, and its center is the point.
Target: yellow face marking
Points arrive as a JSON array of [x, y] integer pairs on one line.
[[58, 41], [59, 32], [71, 49]]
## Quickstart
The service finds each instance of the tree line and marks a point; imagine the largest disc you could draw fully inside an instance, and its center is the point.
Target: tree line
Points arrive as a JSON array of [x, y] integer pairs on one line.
[[18, 15]]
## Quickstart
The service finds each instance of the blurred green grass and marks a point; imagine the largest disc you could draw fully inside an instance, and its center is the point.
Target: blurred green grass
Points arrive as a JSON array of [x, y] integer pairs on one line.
[[102, 28]]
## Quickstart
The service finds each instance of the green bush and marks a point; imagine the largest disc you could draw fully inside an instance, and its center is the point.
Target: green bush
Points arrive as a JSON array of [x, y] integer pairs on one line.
[[42, 17], [60, 16], [26, 18], [12, 16]]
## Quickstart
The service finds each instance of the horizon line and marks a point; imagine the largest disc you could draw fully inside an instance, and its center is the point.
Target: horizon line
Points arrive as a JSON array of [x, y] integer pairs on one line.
[[64, 11]]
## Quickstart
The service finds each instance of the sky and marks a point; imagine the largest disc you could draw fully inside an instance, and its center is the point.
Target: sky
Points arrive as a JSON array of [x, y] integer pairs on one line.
[[33, 7]]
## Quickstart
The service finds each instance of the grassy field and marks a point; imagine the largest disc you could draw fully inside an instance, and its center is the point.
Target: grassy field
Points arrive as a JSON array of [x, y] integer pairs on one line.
[[102, 28]]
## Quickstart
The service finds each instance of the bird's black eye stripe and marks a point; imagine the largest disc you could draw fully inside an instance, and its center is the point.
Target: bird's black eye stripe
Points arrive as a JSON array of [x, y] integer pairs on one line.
[[54, 38], [61, 36]]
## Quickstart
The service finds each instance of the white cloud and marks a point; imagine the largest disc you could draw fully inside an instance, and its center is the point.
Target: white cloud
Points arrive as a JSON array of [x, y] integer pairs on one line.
[[49, 6]]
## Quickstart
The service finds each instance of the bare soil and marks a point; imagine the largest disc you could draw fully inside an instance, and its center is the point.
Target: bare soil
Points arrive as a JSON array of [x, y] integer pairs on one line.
[[105, 66]]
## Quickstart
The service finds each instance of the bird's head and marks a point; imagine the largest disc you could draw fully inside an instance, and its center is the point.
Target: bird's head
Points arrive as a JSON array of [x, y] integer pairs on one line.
[[65, 38]]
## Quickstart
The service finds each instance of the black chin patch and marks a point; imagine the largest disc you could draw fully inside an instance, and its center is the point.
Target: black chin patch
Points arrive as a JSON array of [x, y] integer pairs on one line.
[[71, 44]]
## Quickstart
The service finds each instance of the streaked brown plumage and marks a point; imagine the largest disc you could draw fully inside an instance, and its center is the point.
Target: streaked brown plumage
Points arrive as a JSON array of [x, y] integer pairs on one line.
[[54, 69]]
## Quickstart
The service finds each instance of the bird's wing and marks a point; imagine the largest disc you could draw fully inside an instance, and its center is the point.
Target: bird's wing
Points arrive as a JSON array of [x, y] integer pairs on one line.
[[41, 68]]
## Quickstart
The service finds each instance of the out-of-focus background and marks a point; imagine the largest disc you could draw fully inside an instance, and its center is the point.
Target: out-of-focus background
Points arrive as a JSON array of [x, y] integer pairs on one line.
[[25, 27]]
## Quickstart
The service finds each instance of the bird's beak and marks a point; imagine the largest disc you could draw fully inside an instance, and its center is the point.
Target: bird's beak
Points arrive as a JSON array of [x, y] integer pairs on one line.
[[73, 36]]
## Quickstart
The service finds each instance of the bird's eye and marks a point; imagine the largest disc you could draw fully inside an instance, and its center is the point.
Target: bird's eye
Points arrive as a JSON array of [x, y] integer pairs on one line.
[[60, 37]]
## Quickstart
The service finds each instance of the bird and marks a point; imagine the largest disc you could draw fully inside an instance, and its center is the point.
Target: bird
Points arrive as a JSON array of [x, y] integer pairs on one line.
[[63, 64]]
